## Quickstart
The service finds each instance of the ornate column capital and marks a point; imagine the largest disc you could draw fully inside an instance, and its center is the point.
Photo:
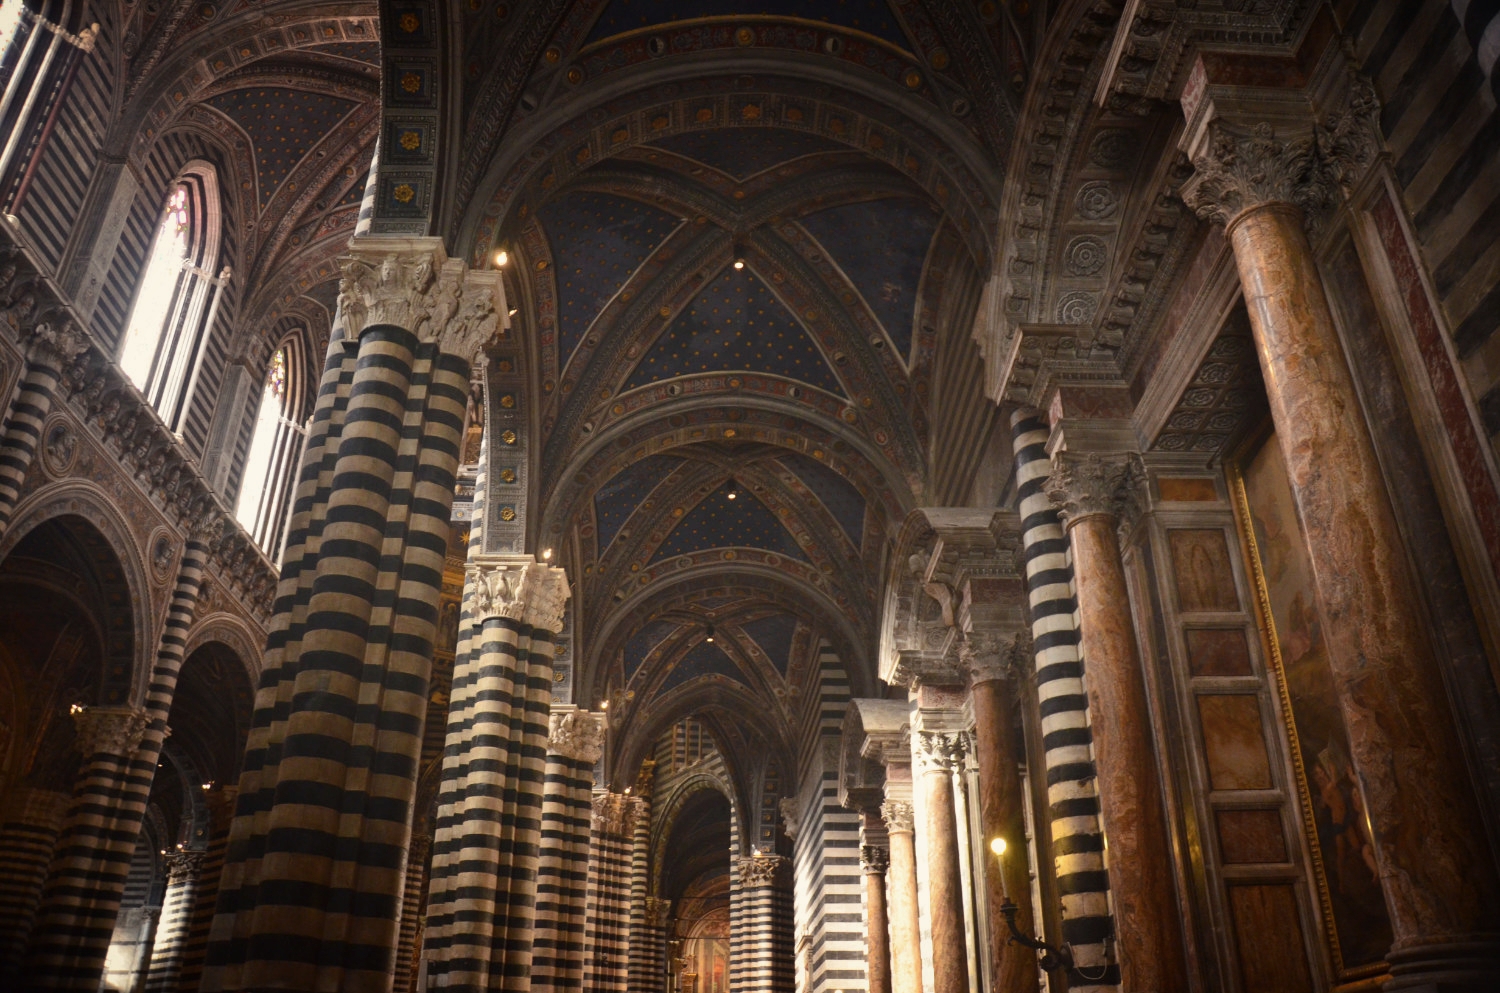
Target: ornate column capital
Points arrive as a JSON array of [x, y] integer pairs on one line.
[[109, 730], [411, 283], [577, 735], [519, 589], [761, 871], [183, 864], [874, 858], [1093, 483], [59, 342], [898, 815], [790, 809], [1244, 164], [992, 655], [658, 911], [614, 814], [941, 751]]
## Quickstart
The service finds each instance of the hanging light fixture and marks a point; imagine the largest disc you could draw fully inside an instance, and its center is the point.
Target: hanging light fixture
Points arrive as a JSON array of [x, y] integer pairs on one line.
[[710, 638]]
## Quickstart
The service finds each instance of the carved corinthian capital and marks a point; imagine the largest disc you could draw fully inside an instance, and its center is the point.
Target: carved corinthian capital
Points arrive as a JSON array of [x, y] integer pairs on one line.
[[1241, 166], [986, 656], [577, 735], [761, 871], [897, 815], [528, 592], [412, 284], [874, 858], [1084, 485], [615, 814], [941, 751], [109, 730]]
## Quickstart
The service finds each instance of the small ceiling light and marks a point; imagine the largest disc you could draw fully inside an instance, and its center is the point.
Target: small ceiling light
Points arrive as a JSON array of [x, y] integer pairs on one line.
[[207, 787], [710, 638], [739, 256], [604, 705], [547, 554], [739, 263], [733, 493], [997, 845], [501, 258], [513, 311]]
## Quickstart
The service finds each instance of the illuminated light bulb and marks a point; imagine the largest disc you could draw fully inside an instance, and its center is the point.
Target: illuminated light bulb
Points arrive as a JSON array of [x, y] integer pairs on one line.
[[513, 311], [739, 263], [547, 553], [998, 846], [502, 258]]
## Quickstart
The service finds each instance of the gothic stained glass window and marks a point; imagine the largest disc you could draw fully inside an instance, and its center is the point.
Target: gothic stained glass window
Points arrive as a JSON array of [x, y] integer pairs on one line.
[[275, 444]]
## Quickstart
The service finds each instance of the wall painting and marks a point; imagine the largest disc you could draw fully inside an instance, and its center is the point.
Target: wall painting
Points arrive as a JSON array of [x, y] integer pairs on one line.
[[1356, 923]]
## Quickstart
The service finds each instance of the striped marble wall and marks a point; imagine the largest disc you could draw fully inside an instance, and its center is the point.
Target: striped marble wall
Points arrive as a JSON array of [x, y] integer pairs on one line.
[[1442, 127]]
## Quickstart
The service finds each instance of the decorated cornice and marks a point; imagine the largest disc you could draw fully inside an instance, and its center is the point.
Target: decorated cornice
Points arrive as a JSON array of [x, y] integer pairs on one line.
[[1093, 484], [109, 407], [412, 284], [518, 589], [576, 734], [113, 731]]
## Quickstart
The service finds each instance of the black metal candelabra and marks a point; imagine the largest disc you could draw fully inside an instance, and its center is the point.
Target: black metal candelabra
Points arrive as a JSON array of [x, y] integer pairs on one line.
[[1053, 957]]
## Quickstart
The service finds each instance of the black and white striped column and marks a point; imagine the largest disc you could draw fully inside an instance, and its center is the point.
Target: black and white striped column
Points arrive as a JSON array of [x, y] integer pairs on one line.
[[221, 801], [33, 818], [574, 744], [766, 907], [647, 949], [413, 899], [184, 869], [1481, 23], [1072, 797], [122, 748], [316, 865], [49, 349], [606, 936], [481, 905]]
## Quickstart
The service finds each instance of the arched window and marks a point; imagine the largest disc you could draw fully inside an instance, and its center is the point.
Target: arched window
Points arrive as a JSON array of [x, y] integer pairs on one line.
[[275, 448], [177, 297]]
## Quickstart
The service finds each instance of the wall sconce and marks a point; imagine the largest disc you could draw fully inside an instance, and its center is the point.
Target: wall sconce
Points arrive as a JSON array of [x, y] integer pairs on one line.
[[1053, 957]]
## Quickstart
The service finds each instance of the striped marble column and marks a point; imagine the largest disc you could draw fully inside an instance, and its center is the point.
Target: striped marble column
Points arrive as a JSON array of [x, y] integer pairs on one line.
[[645, 956], [409, 942], [221, 801], [49, 349], [574, 744], [606, 936], [316, 864], [481, 905], [766, 906], [1072, 796], [122, 748], [33, 818], [184, 870]]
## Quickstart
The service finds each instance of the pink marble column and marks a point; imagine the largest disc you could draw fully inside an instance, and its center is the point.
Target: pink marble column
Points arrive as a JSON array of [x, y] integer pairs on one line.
[[874, 861], [906, 928], [940, 754], [1438, 874], [1087, 490]]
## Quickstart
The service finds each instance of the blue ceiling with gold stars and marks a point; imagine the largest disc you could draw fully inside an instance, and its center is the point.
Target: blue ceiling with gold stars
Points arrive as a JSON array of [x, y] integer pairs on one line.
[[642, 642], [744, 152], [598, 241], [283, 126], [719, 522], [703, 659], [836, 493], [870, 16], [617, 499], [774, 636], [881, 245], [737, 325]]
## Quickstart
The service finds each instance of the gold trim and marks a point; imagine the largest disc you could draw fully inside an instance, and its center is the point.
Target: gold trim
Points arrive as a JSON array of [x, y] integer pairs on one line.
[[1346, 978]]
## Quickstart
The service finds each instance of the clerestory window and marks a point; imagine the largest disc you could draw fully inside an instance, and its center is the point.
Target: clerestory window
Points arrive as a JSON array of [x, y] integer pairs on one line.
[[275, 449]]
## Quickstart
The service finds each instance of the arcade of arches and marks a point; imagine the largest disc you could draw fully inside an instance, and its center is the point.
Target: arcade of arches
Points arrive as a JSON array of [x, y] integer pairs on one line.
[[749, 496]]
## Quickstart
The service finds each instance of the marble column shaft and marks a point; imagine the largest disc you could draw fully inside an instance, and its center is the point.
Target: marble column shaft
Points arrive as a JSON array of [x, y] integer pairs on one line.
[[1147, 918], [1439, 878], [940, 753], [28, 833], [1002, 814], [875, 860], [906, 925]]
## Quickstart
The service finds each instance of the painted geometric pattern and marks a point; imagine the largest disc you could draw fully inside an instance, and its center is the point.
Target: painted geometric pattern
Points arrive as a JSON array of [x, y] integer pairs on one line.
[[774, 636], [744, 152], [735, 325], [617, 499], [283, 126], [870, 16], [597, 241], [837, 493], [703, 659], [719, 522], [642, 642], [881, 246]]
